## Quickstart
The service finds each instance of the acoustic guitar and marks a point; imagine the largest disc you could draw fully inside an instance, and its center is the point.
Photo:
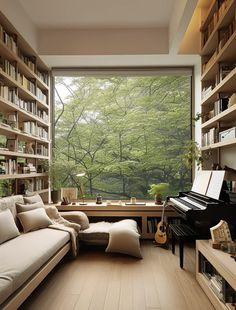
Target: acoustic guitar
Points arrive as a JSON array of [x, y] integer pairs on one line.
[[161, 237]]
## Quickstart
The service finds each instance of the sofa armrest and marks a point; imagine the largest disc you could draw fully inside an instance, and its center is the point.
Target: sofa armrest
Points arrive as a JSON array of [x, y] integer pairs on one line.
[[76, 217]]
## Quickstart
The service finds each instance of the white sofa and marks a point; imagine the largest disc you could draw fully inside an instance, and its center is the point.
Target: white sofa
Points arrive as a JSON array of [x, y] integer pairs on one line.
[[27, 259]]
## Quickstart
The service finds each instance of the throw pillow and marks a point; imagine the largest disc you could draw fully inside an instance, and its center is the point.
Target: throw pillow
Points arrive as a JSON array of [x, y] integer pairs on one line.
[[33, 199], [8, 228], [34, 219], [77, 217], [23, 208], [124, 239]]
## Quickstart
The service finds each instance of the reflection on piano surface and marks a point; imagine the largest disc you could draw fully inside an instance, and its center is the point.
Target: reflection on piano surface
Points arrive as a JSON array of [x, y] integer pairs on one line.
[[202, 212]]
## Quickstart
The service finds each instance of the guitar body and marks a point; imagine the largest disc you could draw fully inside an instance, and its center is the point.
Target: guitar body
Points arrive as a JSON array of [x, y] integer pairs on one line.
[[161, 233]]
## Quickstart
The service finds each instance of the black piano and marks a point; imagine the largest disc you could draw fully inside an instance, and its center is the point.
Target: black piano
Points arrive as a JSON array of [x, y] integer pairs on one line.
[[201, 212]]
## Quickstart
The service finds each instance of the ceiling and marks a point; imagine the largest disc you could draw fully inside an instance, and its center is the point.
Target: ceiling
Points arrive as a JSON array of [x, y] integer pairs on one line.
[[86, 14], [109, 32]]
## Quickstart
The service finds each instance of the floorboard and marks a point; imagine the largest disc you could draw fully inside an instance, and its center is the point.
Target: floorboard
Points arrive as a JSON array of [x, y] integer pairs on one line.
[[101, 281]]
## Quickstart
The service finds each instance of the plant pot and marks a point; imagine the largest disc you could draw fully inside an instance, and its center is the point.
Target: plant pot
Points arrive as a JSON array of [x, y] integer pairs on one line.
[[55, 195], [158, 199]]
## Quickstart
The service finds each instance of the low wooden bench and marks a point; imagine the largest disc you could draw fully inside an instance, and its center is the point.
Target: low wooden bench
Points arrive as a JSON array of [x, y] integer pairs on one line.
[[182, 233]]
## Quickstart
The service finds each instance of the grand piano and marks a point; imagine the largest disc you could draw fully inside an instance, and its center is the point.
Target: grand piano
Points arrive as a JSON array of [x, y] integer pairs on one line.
[[201, 211]]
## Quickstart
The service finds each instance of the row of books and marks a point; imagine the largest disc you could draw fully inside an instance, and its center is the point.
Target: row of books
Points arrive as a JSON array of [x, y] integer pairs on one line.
[[225, 33], [42, 150], [8, 39], [43, 76], [30, 61], [34, 129], [26, 83], [210, 137], [8, 67], [217, 15], [40, 184], [32, 107], [8, 93], [40, 95], [8, 166], [206, 91], [224, 70]]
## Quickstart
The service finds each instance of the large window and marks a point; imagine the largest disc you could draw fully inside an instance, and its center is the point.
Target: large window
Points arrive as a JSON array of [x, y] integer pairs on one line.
[[123, 132]]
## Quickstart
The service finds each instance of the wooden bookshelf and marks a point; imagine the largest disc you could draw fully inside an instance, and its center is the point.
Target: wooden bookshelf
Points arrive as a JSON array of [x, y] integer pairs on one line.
[[218, 39], [223, 265], [25, 112]]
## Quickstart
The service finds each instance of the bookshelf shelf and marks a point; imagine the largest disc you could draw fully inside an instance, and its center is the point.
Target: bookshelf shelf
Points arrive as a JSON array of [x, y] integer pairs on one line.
[[219, 145], [225, 54], [228, 115], [22, 176], [23, 114], [25, 101], [218, 108], [209, 262], [211, 45], [226, 85], [22, 155]]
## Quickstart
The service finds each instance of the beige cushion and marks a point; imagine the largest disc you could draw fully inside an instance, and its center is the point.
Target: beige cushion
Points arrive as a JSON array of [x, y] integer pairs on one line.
[[124, 238], [23, 208], [77, 217], [34, 219], [97, 233], [10, 203], [8, 228], [33, 199]]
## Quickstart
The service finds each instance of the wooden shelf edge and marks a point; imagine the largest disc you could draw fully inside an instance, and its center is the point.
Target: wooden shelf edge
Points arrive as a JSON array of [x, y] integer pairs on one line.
[[23, 155], [217, 89], [219, 117], [219, 144], [21, 176]]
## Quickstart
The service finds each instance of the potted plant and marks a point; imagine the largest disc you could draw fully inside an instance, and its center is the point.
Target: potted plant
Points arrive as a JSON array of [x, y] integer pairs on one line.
[[61, 174], [158, 191]]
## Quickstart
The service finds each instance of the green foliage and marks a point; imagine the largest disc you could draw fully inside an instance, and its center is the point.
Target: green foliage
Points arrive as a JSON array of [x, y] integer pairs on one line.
[[124, 132], [193, 154], [160, 189]]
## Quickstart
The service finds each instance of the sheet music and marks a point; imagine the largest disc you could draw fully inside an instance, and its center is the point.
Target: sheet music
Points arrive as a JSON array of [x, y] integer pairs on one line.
[[215, 185], [201, 182]]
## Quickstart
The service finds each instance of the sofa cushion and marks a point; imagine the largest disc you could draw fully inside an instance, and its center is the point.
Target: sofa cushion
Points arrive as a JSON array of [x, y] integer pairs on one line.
[[33, 199], [34, 219], [10, 203], [77, 217], [97, 233], [20, 207], [8, 228], [21, 257]]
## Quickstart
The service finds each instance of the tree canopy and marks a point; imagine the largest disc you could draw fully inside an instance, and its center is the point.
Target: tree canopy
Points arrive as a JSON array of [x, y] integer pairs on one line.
[[125, 133]]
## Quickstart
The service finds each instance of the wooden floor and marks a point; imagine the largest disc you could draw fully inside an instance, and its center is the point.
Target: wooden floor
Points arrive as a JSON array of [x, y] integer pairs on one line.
[[96, 280]]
